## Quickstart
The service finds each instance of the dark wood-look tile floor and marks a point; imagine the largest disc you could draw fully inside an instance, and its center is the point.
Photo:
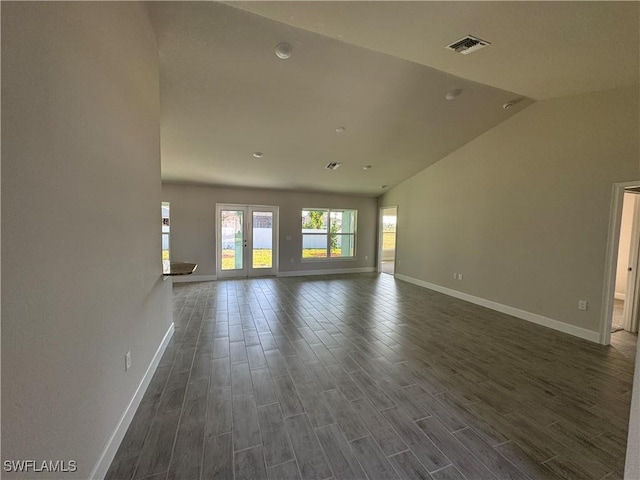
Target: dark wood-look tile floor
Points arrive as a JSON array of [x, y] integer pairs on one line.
[[365, 376]]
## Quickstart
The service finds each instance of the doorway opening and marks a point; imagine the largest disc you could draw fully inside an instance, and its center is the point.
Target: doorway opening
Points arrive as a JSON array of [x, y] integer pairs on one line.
[[387, 240], [247, 243], [622, 287]]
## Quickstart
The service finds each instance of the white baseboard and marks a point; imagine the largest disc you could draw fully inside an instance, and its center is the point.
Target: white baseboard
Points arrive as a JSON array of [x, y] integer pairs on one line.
[[514, 312], [297, 273], [619, 296], [193, 278], [333, 271], [102, 465]]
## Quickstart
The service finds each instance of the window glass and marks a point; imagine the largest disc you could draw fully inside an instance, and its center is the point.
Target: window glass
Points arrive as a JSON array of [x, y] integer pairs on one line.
[[328, 233], [315, 220], [314, 246], [262, 235]]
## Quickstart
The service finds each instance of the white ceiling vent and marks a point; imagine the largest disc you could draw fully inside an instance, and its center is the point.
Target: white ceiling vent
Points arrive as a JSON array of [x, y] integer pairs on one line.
[[333, 166], [467, 45]]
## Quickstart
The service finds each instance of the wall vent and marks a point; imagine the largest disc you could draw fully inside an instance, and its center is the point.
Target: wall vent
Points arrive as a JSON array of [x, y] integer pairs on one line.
[[467, 45], [333, 166]]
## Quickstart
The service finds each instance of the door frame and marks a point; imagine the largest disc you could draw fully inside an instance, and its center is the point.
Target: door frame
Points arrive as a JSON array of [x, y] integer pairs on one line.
[[381, 239], [630, 313], [247, 232], [615, 221]]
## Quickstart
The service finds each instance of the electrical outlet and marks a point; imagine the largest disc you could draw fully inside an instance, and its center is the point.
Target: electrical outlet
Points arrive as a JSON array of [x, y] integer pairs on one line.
[[459, 276], [583, 305], [366, 257], [455, 276], [127, 361]]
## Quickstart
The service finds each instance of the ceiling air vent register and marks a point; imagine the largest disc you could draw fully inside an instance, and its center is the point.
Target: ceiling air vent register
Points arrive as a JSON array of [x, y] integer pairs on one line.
[[333, 166], [467, 45]]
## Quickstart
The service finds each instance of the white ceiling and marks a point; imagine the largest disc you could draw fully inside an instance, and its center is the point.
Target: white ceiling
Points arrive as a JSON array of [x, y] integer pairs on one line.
[[367, 66], [539, 49]]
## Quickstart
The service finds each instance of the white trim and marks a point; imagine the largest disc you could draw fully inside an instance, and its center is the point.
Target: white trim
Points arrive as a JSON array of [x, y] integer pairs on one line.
[[619, 296], [332, 271], [193, 278], [101, 467], [514, 312]]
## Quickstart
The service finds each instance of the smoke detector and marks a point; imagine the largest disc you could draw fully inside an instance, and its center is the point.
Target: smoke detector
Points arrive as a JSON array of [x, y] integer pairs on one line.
[[467, 45], [333, 165]]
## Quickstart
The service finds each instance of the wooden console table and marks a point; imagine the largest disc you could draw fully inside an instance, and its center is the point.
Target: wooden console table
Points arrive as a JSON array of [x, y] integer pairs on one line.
[[178, 268]]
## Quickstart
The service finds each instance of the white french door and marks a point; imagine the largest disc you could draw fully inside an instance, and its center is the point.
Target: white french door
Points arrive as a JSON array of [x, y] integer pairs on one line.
[[247, 240]]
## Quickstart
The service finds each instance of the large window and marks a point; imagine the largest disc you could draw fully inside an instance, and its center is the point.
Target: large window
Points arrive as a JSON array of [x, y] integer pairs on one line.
[[328, 233]]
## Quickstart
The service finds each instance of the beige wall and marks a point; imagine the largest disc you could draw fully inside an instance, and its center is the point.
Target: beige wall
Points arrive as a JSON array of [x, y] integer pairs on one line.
[[523, 210], [193, 224], [624, 245], [80, 225]]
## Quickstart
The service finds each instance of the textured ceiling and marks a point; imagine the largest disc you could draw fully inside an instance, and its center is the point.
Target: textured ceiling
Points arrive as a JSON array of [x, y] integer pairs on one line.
[[225, 95]]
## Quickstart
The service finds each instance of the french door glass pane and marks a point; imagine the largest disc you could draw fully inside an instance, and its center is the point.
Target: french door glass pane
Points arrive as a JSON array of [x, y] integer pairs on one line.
[[232, 239], [262, 239]]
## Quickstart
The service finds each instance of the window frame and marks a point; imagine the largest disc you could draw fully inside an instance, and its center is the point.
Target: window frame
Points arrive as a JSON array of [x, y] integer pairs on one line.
[[328, 234]]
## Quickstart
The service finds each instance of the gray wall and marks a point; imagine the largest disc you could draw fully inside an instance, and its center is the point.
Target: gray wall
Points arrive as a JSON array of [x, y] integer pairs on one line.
[[80, 225], [523, 210], [193, 226]]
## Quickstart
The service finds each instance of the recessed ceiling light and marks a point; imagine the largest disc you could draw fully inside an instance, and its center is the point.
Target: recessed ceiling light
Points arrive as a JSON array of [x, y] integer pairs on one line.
[[366, 167], [258, 154], [453, 94], [283, 50], [511, 103], [340, 130]]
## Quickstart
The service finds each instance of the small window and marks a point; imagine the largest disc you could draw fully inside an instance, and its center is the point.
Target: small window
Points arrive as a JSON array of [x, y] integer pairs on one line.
[[166, 227], [328, 233]]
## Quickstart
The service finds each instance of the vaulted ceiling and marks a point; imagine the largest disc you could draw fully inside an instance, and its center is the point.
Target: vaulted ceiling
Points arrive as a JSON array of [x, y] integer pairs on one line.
[[379, 70]]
